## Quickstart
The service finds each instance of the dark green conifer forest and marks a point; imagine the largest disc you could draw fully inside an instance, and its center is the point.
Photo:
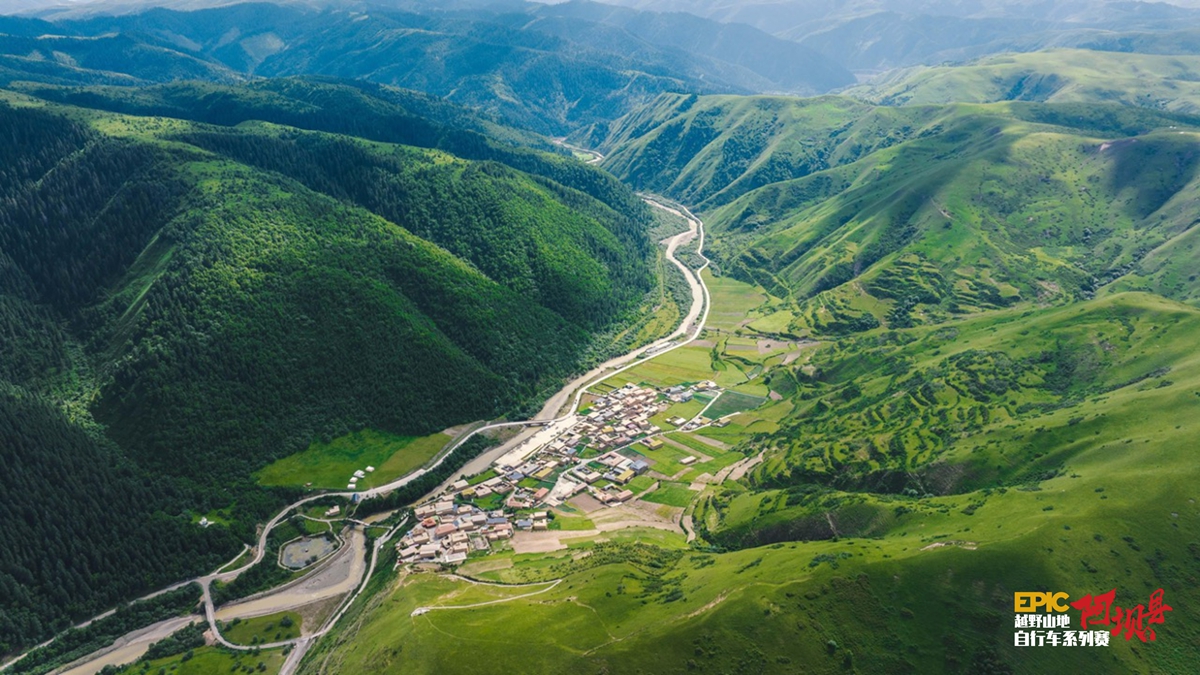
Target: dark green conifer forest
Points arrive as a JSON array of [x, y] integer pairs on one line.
[[182, 304]]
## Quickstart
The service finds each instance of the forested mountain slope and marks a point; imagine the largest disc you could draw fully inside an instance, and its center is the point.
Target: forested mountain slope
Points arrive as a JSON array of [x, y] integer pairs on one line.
[[355, 108], [551, 69], [187, 303]]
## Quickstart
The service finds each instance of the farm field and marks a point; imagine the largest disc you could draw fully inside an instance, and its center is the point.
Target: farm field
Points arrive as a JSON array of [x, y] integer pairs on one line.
[[730, 402], [330, 465], [741, 427], [671, 494], [686, 411], [569, 523], [733, 302], [688, 365], [776, 322], [665, 460]]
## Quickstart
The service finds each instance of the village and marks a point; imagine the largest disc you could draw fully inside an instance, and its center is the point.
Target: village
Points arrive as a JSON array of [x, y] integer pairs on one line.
[[592, 455]]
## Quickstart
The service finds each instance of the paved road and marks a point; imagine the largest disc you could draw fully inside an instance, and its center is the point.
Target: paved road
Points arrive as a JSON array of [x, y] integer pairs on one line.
[[687, 331], [689, 328], [595, 157]]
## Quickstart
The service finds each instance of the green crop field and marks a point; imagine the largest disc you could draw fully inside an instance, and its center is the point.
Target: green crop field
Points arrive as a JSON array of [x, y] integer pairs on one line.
[[569, 523], [665, 460], [733, 302], [640, 483], [687, 364], [733, 402], [671, 494], [685, 411], [331, 465], [690, 440], [775, 322]]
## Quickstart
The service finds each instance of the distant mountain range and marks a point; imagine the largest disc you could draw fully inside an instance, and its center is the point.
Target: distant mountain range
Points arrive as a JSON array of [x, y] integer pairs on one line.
[[875, 35], [549, 68], [1057, 76]]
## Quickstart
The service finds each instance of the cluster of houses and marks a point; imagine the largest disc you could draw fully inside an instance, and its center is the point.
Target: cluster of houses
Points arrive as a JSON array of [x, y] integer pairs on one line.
[[447, 532], [615, 468], [693, 424], [618, 418], [473, 516], [352, 484], [613, 422]]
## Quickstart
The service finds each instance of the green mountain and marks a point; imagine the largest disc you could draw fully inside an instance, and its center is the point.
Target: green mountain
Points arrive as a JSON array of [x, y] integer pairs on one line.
[[708, 150], [855, 213], [996, 395], [547, 68], [1057, 76], [102, 59], [779, 65], [362, 109], [1085, 484], [874, 36], [187, 303]]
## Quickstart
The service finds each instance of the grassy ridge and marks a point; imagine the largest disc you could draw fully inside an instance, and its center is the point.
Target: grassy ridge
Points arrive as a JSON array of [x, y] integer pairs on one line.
[[995, 208], [1091, 491], [1000, 397], [1052, 76]]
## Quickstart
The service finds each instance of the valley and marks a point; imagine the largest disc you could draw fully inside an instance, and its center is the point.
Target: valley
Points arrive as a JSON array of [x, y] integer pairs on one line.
[[343, 576], [641, 337], [880, 463]]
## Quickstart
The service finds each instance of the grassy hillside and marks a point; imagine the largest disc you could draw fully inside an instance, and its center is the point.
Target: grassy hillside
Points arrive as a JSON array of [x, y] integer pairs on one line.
[[888, 528], [1057, 75], [995, 206], [909, 215], [708, 150], [188, 303], [999, 396]]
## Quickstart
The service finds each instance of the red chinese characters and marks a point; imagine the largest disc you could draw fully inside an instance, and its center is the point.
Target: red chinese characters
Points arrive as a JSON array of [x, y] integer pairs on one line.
[[1099, 610]]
